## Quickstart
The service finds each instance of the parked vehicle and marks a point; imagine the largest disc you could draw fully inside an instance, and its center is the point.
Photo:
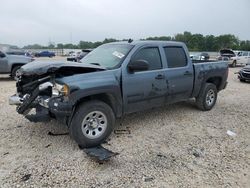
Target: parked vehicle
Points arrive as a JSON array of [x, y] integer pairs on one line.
[[202, 56], [205, 56], [113, 80], [244, 74], [11, 63], [243, 58], [75, 57], [45, 54], [234, 59]]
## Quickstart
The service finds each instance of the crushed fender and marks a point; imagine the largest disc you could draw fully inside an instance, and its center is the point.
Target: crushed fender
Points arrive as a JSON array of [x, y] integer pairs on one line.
[[99, 153]]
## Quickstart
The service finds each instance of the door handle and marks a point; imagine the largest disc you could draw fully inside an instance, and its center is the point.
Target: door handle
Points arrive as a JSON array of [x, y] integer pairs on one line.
[[159, 77], [187, 73]]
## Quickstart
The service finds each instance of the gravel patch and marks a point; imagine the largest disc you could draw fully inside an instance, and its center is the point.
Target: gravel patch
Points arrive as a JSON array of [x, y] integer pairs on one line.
[[173, 146]]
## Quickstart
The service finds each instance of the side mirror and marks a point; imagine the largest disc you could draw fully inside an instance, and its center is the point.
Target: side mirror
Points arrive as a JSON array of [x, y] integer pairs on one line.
[[138, 65], [2, 55]]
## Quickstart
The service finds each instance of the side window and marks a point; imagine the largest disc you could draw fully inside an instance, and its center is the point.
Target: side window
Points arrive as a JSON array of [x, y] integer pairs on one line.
[[175, 56], [245, 54], [151, 55]]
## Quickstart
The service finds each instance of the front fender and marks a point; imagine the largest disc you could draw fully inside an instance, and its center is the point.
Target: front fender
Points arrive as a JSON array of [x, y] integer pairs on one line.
[[113, 92]]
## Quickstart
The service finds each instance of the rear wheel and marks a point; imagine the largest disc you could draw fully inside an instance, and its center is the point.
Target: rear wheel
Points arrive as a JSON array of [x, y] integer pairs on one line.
[[92, 123], [207, 97]]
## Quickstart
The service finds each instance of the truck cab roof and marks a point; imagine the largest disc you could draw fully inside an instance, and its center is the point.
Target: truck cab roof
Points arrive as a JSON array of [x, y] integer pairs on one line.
[[150, 42]]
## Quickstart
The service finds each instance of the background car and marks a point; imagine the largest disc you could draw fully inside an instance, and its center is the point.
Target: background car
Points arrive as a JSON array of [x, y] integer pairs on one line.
[[76, 57], [244, 74], [45, 54]]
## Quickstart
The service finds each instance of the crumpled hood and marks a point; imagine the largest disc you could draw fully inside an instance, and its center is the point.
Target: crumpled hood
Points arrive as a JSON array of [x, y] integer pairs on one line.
[[50, 67]]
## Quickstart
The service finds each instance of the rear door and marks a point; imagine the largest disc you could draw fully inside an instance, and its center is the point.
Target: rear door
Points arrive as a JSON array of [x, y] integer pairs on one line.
[[179, 73], [145, 89]]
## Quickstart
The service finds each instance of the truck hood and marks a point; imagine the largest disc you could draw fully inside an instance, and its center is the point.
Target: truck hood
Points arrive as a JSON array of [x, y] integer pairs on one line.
[[227, 53], [19, 58], [53, 67]]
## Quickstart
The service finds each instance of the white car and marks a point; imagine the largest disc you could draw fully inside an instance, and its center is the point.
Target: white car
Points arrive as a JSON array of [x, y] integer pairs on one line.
[[235, 57], [242, 57]]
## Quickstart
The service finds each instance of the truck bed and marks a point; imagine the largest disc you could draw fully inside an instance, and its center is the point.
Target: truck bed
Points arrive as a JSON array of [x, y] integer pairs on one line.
[[207, 69]]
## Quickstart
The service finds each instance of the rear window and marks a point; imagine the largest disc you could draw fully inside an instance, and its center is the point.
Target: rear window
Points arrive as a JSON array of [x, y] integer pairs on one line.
[[175, 56]]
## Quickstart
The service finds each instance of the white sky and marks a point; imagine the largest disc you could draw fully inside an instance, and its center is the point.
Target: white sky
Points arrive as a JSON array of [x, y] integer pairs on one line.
[[62, 21]]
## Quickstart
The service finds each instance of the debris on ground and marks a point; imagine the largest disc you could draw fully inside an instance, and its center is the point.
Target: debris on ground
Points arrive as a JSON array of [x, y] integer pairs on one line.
[[122, 131], [26, 177], [57, 134], [198, 152], [99, 153], [148, 179], [6, 153], [231, 133], [48, 145]]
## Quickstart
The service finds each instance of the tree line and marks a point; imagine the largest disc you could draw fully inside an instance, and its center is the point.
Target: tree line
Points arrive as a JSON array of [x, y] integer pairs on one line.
[[194, 42]]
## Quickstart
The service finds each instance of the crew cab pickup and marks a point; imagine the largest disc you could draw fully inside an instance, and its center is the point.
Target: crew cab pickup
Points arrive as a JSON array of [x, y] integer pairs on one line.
[[11, 63], [113, 80]]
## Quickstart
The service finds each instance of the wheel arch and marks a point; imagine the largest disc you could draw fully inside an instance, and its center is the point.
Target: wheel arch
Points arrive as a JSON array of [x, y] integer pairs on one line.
[[217, 81]]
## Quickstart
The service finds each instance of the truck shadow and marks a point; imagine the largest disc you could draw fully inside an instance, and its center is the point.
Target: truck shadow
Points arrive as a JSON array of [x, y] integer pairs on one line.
[[4, 79]]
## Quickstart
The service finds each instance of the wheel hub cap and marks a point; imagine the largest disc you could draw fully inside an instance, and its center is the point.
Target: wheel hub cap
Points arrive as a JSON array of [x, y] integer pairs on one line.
[[94, 124], [210, 97]]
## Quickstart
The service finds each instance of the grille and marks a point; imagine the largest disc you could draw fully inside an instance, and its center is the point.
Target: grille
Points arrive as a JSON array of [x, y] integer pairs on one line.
[[246, 75]]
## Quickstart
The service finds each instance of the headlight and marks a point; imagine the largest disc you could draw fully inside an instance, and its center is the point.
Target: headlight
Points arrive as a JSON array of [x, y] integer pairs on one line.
[[59, 89]]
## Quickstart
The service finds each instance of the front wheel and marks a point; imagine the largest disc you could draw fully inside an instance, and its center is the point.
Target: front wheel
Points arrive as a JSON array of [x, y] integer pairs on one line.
[[14, 71], [92, 123], [234, 64], [207, 97]]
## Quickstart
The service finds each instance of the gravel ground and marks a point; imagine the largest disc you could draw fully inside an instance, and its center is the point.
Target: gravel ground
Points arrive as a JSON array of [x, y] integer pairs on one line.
[[172, 146]]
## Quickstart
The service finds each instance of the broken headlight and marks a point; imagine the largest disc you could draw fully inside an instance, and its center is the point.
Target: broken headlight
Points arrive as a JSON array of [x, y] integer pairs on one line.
[[60, 90]]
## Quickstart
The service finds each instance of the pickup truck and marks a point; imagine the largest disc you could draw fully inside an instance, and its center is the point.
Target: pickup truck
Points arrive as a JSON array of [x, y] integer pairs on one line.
[[11, 63], [45, 54], [113, 80]]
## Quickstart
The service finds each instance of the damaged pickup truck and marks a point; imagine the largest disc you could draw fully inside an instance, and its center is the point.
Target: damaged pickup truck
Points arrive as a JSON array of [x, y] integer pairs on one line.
[[113, 80]]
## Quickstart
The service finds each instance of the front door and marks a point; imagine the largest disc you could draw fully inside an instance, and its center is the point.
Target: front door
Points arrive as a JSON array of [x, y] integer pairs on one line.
[[145, 89], [3, 63]]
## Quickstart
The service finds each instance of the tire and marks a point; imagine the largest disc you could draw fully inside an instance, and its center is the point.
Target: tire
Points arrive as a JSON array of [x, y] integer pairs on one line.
[[92, 123], [242, 80], [207, 97], [234, 64], [13, 72]]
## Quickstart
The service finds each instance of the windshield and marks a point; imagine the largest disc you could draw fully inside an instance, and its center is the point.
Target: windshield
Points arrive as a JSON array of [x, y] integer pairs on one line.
[[108, 56]]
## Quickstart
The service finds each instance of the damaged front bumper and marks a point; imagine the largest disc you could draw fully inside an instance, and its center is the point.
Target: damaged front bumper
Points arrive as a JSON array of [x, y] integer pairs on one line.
[[46, 107]]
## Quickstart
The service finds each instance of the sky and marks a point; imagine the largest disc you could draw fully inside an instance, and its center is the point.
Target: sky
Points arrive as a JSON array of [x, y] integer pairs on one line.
[[69, 21]]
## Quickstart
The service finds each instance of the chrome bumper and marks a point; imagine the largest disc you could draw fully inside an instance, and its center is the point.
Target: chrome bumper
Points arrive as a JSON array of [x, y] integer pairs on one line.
[[15, 100]]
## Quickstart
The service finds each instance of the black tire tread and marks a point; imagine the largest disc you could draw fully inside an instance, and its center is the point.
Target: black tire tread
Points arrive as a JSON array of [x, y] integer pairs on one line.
[[75, 127], [200, 100]]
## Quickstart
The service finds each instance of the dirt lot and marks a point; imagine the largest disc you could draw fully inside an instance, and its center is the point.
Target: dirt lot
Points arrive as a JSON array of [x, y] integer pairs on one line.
[[173, 146]]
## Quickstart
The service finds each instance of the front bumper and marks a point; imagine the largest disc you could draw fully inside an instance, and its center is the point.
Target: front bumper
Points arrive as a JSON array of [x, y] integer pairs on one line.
[[46, 107], [244, 75]]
